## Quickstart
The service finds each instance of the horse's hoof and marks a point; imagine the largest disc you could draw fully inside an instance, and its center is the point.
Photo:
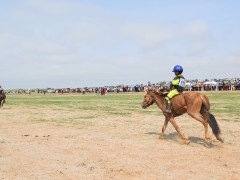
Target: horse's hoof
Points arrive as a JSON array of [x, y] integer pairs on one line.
[[187, 142], [209, 141], [160, 136], [220, 139]]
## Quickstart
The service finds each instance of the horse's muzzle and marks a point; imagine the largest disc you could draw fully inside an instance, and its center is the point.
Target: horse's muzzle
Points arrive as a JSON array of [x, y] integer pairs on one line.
[[144, 106]]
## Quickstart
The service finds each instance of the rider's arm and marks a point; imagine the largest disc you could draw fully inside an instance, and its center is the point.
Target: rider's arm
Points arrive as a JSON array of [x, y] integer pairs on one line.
[[175, 82]]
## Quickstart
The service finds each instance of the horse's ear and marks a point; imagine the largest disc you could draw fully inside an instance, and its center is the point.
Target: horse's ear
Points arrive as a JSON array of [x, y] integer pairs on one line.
[[149, 90]]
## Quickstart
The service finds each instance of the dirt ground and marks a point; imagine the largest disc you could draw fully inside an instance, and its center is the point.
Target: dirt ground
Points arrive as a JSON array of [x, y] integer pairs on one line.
[[114, 147]]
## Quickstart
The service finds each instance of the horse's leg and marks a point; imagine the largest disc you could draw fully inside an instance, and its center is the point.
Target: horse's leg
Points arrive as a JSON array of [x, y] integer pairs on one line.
[[194, 108], [173, 122], [164, 127], [200, 118]]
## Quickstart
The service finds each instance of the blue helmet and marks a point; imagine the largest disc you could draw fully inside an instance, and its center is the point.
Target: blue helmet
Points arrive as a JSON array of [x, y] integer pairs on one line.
[[177, 68]]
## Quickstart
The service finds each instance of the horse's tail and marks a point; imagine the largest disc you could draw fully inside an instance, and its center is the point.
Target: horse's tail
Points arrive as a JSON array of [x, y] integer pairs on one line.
[[210, 117], [205, 102], [214, 125]]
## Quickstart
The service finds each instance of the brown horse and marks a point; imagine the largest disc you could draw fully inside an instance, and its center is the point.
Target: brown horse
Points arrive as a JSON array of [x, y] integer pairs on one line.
[[195, 104], [2, 99]]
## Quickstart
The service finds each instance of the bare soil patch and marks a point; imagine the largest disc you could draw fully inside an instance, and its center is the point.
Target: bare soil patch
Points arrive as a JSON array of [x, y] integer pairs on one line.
[[111, 147]]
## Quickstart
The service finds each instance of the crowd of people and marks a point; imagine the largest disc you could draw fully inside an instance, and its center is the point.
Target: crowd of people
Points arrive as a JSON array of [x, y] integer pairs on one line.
[[226, 84]]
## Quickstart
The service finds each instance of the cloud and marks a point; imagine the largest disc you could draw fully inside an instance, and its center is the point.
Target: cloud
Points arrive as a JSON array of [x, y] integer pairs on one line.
[[198, 37], [199, 46], [195, 36], [67, 41], [83, 32], [45, 48], [196, 28], [9, 37], [149, 35], [50, 7]]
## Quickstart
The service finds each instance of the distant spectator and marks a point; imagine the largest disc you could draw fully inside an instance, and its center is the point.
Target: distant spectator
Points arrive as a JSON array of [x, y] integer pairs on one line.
[[1, 90]]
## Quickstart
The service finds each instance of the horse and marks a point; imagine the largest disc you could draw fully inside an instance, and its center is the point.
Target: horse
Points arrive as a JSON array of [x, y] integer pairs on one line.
[[193, 103], [2, 99]]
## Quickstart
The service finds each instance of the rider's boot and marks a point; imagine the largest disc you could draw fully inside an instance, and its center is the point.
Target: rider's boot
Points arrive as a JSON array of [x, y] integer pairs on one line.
[[168, 105]]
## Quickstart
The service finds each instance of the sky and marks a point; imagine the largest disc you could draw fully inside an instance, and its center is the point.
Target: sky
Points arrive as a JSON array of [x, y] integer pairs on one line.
[[79, 43]]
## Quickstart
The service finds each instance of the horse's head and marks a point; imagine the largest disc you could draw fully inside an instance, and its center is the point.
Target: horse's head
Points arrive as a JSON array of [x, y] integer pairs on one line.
[[147, 101]]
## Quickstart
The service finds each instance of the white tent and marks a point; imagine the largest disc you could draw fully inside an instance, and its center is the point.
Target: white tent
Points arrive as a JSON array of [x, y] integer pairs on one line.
[[211, 83]]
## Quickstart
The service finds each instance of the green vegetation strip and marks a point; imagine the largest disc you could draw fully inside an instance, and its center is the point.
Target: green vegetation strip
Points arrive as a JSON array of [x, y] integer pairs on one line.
[[93, 106]]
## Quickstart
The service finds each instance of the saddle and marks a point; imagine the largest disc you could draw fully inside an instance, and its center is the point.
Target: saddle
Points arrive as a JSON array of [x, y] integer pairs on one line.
[[169, 106]]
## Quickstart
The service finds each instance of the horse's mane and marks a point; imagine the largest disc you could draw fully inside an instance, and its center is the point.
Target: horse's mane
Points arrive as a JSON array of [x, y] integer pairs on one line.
[[152, 91]]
